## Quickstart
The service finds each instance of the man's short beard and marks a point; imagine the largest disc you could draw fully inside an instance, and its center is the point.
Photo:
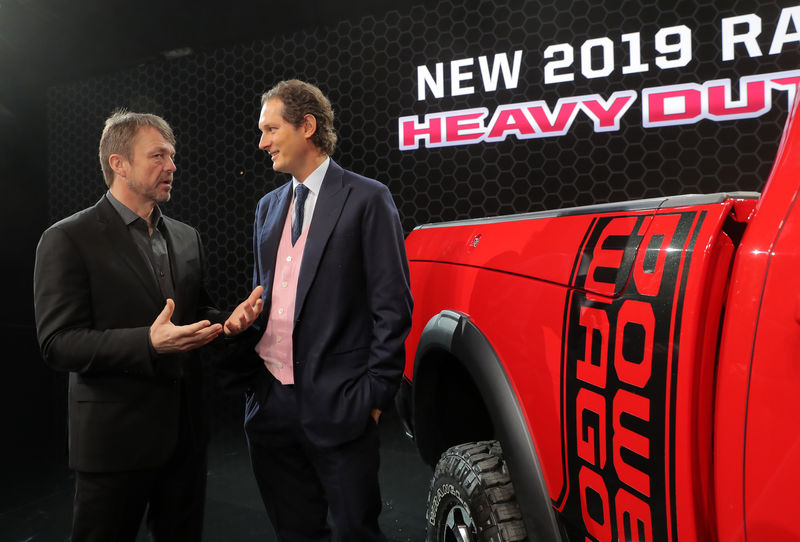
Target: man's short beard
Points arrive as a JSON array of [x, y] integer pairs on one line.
[[152, 195]]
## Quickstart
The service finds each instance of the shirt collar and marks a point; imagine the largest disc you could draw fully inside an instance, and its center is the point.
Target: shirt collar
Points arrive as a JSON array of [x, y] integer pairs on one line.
[[128, 216], [314, 181]]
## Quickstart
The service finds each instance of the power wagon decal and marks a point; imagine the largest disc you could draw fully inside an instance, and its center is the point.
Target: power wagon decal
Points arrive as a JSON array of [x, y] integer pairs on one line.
[[619, 361]]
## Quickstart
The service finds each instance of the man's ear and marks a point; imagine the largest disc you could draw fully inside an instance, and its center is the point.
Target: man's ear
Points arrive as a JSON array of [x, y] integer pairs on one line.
[[119, 165], [309, 126]]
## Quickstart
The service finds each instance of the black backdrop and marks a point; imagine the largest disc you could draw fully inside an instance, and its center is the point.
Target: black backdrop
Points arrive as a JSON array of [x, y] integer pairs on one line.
[[368, 68]]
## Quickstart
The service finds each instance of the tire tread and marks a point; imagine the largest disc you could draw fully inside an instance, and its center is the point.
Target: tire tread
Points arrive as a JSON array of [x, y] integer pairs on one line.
[[479, 468]]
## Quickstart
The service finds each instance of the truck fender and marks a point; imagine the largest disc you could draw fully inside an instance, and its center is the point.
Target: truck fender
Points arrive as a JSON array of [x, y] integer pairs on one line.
[[455, 333]]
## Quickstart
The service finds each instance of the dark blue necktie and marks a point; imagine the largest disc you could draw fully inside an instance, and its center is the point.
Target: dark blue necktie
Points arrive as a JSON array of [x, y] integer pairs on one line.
[[300, 194]]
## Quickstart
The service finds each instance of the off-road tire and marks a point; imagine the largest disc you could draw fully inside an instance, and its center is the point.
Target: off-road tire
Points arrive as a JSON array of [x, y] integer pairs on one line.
[[471, 498]]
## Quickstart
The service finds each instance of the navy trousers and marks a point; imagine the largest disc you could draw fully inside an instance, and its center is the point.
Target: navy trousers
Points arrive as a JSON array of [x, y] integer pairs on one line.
[[301, 483]]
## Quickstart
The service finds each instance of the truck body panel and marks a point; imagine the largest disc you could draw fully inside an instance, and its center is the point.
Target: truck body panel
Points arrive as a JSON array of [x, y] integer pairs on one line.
[[757, 432], [650, 347]]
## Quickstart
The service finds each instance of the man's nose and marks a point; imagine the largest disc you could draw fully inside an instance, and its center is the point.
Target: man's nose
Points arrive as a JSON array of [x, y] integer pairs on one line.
[[264, 143], [171, 165]]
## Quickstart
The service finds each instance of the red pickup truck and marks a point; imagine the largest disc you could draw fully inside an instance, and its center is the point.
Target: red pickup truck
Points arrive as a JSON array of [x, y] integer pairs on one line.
[[625, 371]]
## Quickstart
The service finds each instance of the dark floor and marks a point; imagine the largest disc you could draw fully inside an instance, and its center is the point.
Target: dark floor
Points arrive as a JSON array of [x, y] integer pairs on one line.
[[36, 500]]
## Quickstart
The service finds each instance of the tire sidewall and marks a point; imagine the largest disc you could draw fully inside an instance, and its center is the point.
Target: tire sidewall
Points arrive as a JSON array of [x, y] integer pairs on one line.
[[445, 494]]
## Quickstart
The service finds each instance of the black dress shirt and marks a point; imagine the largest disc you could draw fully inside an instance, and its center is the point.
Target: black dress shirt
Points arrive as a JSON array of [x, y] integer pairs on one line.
[[153, 248]]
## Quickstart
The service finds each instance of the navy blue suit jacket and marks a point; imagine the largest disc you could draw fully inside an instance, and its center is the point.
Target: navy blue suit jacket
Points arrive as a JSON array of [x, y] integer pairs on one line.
[[353, 305]]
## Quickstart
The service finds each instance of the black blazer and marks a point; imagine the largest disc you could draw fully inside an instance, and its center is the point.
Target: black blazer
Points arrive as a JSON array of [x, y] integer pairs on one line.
[[353, 304], [95, 298]]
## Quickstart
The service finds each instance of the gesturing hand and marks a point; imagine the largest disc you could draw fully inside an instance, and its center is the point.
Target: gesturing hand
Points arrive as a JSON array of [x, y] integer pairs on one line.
[[166, 337], [246, 313]]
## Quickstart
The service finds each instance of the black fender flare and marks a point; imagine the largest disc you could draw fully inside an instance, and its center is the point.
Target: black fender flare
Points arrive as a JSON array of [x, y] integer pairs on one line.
[[455, 333]]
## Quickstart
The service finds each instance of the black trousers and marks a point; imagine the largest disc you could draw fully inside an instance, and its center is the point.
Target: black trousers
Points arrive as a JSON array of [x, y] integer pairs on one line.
[[109, 506], [300, 483]]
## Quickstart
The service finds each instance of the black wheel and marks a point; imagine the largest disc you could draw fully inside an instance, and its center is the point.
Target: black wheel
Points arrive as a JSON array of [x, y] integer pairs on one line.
[[471, 497]]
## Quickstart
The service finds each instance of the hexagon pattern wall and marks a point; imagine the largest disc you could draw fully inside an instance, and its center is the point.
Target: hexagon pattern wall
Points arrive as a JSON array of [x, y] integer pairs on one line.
[[368, 68]]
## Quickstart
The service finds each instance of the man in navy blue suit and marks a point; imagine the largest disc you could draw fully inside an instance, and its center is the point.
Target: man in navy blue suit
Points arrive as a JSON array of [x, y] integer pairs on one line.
[[329, 252]]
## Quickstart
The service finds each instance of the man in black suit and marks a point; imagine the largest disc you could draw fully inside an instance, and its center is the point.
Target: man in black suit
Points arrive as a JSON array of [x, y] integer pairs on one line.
[[120, 303], [330, 254]]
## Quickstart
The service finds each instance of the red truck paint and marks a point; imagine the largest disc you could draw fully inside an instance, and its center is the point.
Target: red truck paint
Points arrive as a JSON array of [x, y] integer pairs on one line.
[[646, 362]]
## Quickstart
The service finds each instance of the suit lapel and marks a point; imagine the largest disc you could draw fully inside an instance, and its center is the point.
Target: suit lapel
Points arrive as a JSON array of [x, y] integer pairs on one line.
[[270, 235], [332, 196], [120, 242]]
